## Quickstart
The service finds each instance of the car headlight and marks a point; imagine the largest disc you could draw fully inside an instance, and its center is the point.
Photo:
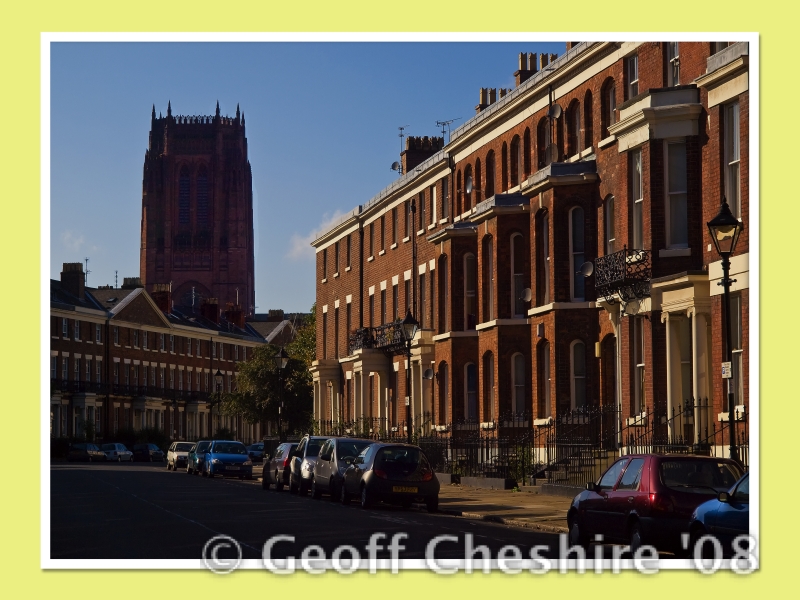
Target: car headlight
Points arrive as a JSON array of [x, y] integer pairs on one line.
[[216, 461], [247, 463]]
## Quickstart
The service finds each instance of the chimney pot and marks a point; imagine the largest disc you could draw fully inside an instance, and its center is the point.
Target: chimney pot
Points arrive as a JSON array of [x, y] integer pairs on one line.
[[72, 279]]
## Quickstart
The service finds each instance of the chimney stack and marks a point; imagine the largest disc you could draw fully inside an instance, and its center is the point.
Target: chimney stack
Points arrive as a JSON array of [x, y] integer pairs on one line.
[[527, 68], [210, 310], [483, 100], [542, 61], [418, 150], [131, 283], [162, 296], [72, 279], [234, 315]]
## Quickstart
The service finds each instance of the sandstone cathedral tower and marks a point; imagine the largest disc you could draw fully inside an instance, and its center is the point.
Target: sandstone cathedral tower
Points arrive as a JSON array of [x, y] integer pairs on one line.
[[197, 211]]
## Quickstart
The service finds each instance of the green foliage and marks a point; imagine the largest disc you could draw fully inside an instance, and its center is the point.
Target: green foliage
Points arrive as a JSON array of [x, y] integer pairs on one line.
[[223, 433], [148, 435]]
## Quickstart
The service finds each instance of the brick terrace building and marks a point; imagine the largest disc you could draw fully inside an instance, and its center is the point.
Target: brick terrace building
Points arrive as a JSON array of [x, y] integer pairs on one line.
[[121, 358], [197, 210], [650, 138]]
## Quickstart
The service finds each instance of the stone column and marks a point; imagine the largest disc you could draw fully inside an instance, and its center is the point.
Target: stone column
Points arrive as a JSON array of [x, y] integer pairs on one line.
[[699, 370]]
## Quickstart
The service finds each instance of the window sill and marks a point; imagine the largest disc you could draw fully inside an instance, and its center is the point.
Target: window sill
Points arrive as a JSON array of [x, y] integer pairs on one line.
[[431, 226], [607, 141], [335, 275], [393, 246], [456, 219], [674, 252], [443, 221], [324, 280], [382, 252], [370, 259], [420, 232], [407, 238]]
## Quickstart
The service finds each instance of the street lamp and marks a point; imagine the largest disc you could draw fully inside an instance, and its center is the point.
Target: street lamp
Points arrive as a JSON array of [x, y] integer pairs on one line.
[[281, 360], [725, 230], [218, 381], [410, 326]]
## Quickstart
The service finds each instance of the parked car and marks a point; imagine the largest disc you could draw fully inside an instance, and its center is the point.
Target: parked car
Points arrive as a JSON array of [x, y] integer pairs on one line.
[[196, 457], [725, 517], [256, 452], [334, 457], [395, 473], [147, 452], [302, 463], [648, 499], [117, 452], [227, 458], [87, 452], [178, 455], [277, 469]]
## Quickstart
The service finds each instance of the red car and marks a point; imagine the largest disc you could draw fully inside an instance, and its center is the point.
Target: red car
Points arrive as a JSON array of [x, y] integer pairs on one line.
[[648, 499]]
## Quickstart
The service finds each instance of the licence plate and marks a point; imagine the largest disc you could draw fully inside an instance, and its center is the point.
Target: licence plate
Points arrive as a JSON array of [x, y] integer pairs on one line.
[[400, 489], [231, 468]]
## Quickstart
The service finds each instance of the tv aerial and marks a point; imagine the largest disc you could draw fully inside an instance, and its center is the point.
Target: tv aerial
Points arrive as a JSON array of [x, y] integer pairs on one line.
[[444, 124], [402, 135]]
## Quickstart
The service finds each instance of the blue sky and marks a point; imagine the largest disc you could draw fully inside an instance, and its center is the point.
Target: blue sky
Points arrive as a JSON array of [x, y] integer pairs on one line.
[[322, 123]]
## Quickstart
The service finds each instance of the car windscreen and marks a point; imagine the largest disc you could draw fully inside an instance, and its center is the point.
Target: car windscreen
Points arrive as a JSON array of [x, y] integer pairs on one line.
[[108, 447], [203, 447], [183, 447], [314, 447], [229, 448], [400, 459], [699, 476], [349, 449]]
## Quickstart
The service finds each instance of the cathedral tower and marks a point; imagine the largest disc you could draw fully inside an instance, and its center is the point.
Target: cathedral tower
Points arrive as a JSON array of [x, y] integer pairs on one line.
[[197, 210]]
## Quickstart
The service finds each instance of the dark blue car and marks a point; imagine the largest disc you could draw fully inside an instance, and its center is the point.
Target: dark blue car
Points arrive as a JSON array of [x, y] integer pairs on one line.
[[725, 517], [228, 459]]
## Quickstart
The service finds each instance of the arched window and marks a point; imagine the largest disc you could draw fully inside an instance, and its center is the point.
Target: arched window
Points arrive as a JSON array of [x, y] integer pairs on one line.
[[445, 413], [470, 392], [542, 259], [488, 279], [588, 120], [608, 105], [578, 374], [526, 163], [489, 175], [576, 253], [183, 197], [574, 128], [478, 183], [470, 292], [518, 384], [458, 193], [517, 275], [611, 236], [504, 167], [516, 161], [488, 387], [444, 295], [467, 195], [542, 141], [544, 380], [202, 197]]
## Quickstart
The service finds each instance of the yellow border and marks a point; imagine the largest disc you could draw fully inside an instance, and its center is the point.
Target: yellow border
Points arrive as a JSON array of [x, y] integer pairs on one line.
[[19, 157]]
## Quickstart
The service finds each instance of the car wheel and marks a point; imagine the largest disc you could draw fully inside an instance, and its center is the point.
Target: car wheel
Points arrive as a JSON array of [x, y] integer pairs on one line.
[[366, 497], [90, 459], [406, 504], [576, 536], [292, 486], [169, 467], [332, 490], [303, 489], [707, 552], [344, 497], [119, 459], [635, 537], [188, 470], [278, 482], [316, 493], [432, 504], [265, 482]]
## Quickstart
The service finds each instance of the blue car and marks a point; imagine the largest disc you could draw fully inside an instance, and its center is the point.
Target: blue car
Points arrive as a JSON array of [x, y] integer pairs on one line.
[[725, 517], [228, 459]]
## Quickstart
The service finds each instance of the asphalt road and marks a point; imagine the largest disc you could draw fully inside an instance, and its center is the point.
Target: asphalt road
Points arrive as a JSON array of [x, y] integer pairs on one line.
[[143, 511]]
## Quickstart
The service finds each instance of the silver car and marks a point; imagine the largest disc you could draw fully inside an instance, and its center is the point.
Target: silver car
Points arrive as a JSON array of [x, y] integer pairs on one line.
[[335, 456], [117, 452], [178, 455], [303, 461]]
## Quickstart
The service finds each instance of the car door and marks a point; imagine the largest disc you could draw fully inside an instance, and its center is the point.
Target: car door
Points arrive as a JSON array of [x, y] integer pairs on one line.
[[297, 460], [352, 476], [322, 469], [275, 464], [624, 498], [595, 505], [732, 518]]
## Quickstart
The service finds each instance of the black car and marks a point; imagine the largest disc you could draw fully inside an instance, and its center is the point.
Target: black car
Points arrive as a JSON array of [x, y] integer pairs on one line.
[[334, 457], [195, 460], [256, 452], [277, 469], [394, 473], [86, 452], [147, 453]]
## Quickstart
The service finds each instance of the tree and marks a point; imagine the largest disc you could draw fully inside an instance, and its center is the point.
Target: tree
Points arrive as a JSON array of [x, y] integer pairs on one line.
[[258, 394]]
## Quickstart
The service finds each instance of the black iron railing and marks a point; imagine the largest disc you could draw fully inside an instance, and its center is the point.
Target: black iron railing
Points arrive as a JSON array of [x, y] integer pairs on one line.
[[625, 273], [387, 337]]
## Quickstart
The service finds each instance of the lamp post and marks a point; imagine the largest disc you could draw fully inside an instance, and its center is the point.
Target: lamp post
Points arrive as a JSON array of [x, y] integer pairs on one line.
[[281, 360], [410, 326], [218, 382], [725, 230]]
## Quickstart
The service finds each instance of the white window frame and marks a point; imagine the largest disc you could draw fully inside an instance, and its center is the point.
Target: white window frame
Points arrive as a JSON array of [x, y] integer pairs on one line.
[[76, 330], [669, 193], [637, 218], [611, 103], [98, 370], [632, 68], [53, 367], [640, 367], [517, 384], [544, 374], [116, 335], [145, 339], [732, 156], [172, 343], [77, 374], [610, 225], [97, 335], [489, 374], [574, 377], [65, 368], [135, 338], [673, 64], [737, 334], [489, 269], [574, 255], [516, 294], [467, 294], [65, 327], [445, 198], [467, 392]]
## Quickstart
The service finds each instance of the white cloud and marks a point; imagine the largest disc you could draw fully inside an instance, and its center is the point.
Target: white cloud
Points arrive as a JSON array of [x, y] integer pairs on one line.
[[71, 241], [300, 245]]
